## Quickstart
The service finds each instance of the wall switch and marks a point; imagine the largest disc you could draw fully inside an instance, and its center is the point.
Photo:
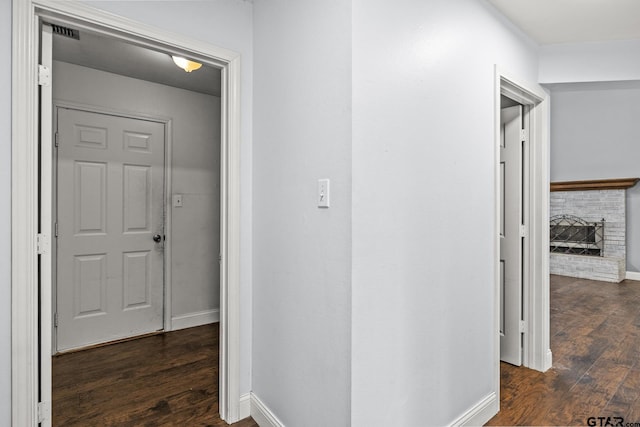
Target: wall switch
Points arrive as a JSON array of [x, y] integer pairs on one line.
[[323, 193], [177, 200]]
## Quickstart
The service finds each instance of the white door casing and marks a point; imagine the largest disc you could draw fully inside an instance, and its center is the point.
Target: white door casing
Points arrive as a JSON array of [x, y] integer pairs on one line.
[[536, 350], [110, 191], [511, 202], [27, 319], [46, 246]]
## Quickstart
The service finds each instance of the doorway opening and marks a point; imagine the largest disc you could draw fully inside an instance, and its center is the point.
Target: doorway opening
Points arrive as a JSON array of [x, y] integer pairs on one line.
[[33, 266], [514, 219], [524, 308], [136, 217], [137, 191]]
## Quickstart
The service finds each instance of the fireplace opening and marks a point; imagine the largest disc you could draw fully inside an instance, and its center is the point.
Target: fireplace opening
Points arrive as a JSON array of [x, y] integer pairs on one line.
[[572, 235]]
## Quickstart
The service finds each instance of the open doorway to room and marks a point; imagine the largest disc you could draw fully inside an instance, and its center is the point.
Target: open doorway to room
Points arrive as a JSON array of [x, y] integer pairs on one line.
[[33, 189], [136, 214], [521, 223], [522, 250], [594, 311], [137, 191]]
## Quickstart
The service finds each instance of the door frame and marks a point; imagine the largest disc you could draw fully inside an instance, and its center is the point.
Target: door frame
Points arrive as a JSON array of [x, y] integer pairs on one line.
[[536, 344], [167, 123], [26, 314]]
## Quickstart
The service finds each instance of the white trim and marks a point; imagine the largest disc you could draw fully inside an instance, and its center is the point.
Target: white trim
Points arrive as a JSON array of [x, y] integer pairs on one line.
[[138, 115], [230, 243], [537, 305], [480, 413], [24, 210], [548, 359], [632, 275], [198, 318], [46, 229], [263, 415], [24, 188], [82, 16], [245, 406], [536, 350], [536, 285]]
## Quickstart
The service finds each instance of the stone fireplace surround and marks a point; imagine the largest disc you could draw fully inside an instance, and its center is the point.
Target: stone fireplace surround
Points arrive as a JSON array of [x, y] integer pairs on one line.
[[593, 201]]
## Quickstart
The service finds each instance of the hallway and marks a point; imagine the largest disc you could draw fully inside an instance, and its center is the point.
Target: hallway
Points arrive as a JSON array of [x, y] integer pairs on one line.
[[595, 340]]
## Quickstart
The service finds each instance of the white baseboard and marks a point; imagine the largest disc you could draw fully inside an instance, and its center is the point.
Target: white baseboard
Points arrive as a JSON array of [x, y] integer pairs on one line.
[[632, 275], [262, 415], [245, 406], [480, 413], [199, 318], [548, 360]]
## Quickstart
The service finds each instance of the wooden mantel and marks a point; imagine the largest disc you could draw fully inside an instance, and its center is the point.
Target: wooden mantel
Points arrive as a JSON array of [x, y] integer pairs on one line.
[[596, 184]]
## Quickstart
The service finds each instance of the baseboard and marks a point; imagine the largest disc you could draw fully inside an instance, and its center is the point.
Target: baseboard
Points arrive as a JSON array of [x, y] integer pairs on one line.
[[199, 318], [262, 415], [632, 275], [548, 360], [480, 413], [245, 406]]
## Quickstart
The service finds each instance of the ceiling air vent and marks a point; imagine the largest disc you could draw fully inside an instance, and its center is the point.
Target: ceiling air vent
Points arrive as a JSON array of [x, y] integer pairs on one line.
[[65, 31]]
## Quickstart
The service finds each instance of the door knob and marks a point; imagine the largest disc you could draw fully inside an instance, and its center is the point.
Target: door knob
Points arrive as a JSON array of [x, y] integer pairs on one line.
[[157, 238]]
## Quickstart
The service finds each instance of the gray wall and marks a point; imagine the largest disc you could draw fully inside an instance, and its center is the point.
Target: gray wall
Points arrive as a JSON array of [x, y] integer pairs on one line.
[[5, 214], [423, 182], [595, 134], [195, 171], [604, 61], [302, 254], [362, 93]]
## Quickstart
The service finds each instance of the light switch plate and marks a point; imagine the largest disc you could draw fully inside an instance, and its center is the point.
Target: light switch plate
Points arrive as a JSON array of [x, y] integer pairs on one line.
[[323, 193], [177, 200]]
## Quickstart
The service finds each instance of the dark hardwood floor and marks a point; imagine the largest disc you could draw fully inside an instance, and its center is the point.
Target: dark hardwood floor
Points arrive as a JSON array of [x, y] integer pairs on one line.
[[595, 340], [172, 379], [163, 380]]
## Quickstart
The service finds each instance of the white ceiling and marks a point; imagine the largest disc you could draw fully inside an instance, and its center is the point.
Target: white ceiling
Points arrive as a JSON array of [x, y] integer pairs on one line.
[[114, 56], [574, 21]]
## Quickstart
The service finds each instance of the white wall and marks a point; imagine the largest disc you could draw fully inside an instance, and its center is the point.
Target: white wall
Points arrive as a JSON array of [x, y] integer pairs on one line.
[[227, 24], [195, 173], [5, 214], [302, 254], [423, 205], [590, 62], [594, 135]]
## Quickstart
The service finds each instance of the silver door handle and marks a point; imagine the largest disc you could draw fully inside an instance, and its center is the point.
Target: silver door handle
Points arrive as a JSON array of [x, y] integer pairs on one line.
[[157, 238]]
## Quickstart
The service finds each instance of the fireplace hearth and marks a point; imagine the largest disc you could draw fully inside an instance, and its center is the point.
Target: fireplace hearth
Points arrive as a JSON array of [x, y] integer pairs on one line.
[[587, 230]]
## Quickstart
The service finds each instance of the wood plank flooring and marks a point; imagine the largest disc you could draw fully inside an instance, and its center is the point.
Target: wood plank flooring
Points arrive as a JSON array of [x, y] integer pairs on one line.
[[163, 380], [172, 379], [595, 340]]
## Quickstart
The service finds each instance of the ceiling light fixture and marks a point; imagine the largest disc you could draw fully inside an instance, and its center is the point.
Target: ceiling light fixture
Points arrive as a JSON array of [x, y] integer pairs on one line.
[[185, 64]]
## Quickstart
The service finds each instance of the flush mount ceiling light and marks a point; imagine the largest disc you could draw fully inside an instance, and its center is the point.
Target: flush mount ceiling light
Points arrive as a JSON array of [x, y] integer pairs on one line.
[[185, 64]]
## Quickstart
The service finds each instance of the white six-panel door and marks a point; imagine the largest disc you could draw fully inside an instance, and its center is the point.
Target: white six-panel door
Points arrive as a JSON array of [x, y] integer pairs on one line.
[[510, 234], [110, 197]]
